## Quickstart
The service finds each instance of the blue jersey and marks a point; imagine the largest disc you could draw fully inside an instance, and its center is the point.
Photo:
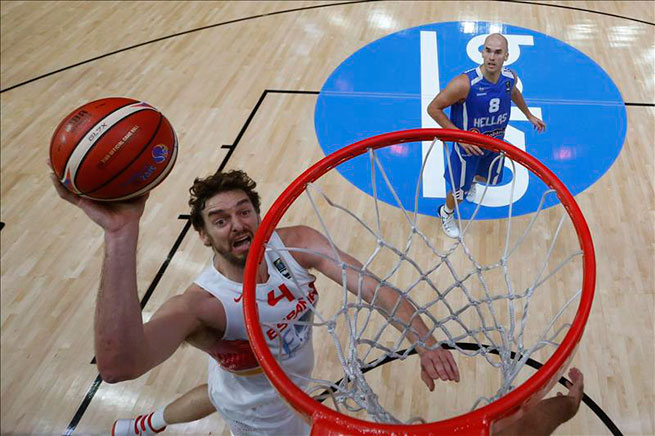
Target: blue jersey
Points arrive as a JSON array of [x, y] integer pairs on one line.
[[487, 106]]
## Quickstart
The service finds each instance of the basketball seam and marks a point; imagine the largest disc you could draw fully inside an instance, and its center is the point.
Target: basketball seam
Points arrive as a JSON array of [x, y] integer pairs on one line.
[[82, 137], [125, 167]]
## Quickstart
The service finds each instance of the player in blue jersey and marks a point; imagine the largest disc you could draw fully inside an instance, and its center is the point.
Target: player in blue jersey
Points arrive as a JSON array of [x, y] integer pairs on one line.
[[480, 101]]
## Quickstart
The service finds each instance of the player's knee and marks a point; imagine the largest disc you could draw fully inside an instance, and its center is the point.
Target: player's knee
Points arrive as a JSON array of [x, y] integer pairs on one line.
[[459, 195]]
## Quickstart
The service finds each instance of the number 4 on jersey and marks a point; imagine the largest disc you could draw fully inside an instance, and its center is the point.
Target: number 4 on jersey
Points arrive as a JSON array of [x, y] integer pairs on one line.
[[284, 292]]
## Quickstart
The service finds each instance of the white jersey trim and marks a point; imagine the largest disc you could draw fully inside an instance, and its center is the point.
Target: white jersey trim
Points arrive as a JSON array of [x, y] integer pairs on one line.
[[479, 77], [507, 73]]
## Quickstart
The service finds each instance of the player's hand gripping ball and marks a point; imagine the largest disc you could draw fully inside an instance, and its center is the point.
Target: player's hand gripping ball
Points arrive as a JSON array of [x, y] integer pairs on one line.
[[113, 149]]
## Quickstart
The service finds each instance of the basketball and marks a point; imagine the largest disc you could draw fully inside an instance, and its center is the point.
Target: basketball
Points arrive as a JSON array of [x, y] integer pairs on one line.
[[113, 149]]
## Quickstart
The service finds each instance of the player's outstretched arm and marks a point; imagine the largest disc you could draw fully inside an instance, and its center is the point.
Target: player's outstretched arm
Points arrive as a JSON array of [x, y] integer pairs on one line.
[[123, 351], [436, 363], [144, 346], [195, 317]]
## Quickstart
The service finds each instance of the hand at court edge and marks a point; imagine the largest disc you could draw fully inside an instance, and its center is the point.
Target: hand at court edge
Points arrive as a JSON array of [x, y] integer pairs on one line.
[[576, 388], [111, 216], [438, 364]]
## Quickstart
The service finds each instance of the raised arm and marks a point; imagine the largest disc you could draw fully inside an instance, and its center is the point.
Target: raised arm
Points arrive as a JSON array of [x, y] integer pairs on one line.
[[127, 352], [124, 348], [435, 362]]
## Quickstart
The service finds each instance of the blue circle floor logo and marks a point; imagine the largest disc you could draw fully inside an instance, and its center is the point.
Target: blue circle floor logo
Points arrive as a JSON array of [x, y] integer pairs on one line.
[[388, 84]]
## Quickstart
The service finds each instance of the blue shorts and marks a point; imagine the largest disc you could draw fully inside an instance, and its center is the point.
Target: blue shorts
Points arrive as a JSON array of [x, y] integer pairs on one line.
[[466, 166]]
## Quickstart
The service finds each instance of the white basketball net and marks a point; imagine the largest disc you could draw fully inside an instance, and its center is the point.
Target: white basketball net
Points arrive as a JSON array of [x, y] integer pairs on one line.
[[465, 309]]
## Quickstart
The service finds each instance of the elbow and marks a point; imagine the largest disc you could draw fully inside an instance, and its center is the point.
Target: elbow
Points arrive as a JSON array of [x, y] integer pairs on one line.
[[112, 377], [114, 371], [432, 110]]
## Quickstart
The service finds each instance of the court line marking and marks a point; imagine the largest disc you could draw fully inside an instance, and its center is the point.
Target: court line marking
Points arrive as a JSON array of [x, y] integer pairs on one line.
[[284, 12], [152, 41]]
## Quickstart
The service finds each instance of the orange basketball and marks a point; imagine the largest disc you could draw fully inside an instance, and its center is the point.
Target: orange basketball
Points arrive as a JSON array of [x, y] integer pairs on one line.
[[113, 149]]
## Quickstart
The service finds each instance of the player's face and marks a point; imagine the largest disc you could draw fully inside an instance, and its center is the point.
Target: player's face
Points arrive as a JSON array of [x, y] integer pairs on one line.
[[494, 54], [230, 223]]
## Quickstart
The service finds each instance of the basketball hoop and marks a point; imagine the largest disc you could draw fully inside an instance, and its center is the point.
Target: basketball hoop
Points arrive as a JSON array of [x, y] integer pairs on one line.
[[510, 398]]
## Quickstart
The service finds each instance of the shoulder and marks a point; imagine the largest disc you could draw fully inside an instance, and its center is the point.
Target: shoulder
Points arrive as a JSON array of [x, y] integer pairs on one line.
[[462, 81], [457, 89], [196, 292], [509, 73]]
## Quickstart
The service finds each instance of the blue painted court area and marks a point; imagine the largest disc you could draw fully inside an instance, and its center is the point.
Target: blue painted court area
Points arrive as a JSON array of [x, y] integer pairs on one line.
[[387, 84]]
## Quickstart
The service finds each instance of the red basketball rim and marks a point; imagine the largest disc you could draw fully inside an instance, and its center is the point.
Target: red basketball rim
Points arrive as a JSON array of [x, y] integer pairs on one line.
[[326, 420]]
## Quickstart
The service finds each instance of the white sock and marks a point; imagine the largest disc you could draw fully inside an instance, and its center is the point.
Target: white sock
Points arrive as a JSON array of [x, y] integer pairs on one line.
[[157, 421], [447, 209]]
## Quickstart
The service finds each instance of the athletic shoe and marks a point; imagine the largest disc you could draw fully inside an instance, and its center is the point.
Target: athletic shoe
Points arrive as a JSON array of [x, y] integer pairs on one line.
[[448, 223], [139, 426], [470, 196]]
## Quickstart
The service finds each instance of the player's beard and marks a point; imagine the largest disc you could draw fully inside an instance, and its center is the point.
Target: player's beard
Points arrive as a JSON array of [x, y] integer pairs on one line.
[[238, 261]]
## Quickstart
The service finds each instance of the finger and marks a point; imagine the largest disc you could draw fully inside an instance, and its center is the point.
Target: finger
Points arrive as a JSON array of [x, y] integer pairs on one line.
[[430, 370], [448, 368], [427, 380], [63, 192], [472, 149], [577, 385], [575, 374], [478, 150], [453, 365], [61, 189], [434, 368], [576, 388], [447, 365], [577, 393], [441, 370]]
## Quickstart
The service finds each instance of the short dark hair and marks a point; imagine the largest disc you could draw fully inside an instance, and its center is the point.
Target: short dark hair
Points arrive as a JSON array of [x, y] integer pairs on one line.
[[203, 189]]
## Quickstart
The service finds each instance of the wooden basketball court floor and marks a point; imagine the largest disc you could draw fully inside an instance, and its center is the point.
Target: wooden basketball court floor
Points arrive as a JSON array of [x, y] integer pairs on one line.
[[240, 91]]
